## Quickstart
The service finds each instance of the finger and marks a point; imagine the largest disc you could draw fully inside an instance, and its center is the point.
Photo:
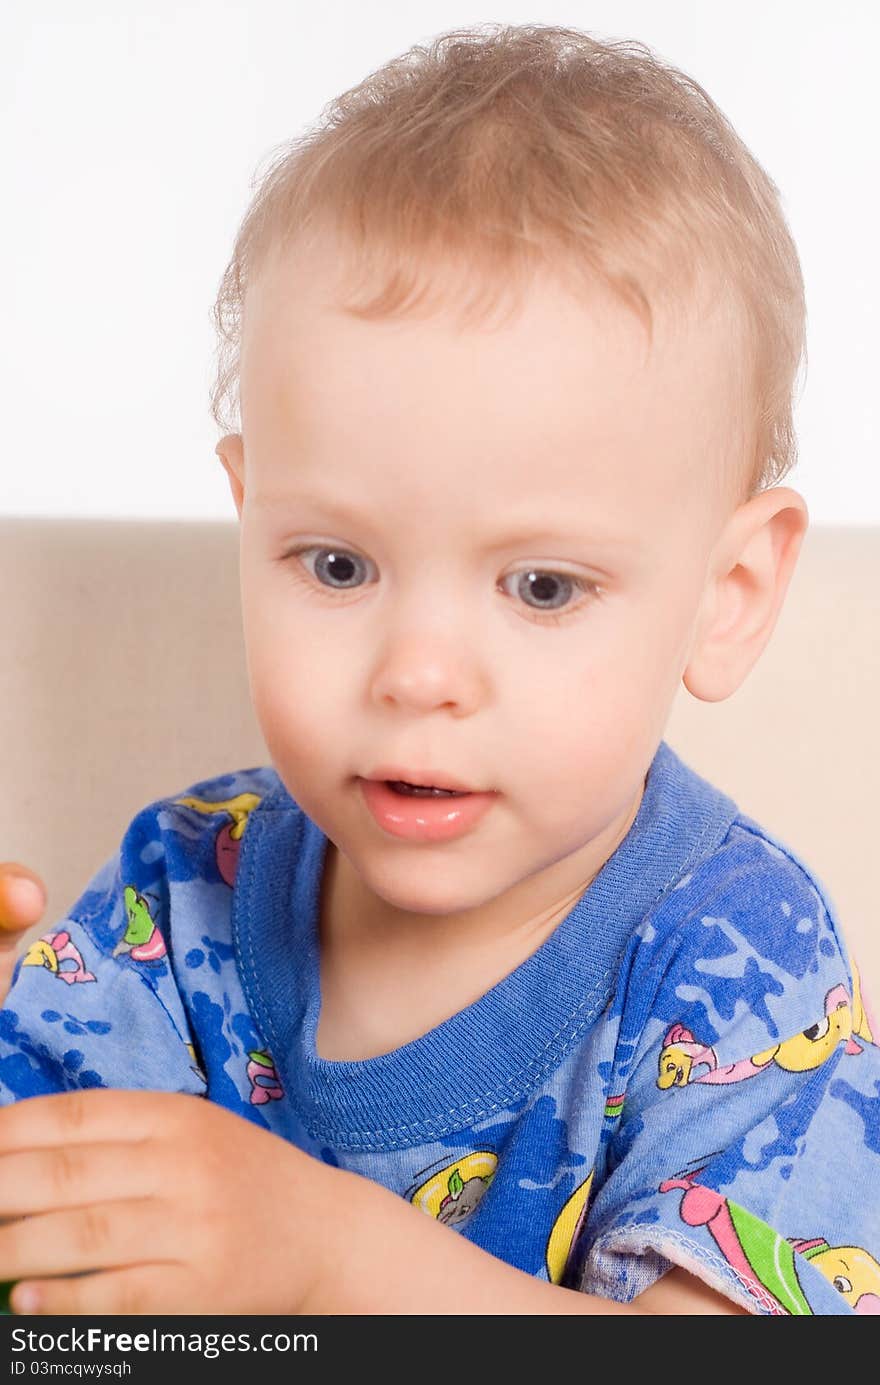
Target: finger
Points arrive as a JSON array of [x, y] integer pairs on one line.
[[90, 1115], [129, 1292], [74, 1175], [103, 1235], [22, 900]]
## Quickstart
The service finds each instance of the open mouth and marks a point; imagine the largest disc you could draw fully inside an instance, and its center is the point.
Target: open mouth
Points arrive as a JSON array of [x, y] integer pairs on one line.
[[424, 813], [422, 790]]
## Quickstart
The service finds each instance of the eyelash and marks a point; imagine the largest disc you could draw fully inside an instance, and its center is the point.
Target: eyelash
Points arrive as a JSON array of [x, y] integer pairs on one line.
[[586, 584]]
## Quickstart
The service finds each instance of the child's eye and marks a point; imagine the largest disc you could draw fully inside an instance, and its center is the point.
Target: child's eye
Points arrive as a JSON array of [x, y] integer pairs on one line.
[[335, 568], [551, 590], [545, 593]]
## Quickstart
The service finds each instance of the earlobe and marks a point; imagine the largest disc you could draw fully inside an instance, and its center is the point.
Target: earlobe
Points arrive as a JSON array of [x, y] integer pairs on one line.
[[754, 563], [230, 450]]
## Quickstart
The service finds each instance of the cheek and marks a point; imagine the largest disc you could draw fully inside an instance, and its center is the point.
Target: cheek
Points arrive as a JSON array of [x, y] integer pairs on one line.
[[296, 720], [612, 673], [300, 683], [596, 718]]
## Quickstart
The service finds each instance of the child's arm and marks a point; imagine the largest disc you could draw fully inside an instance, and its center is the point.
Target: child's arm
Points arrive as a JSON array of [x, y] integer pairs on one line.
[[393, 1259], [181, 1206]]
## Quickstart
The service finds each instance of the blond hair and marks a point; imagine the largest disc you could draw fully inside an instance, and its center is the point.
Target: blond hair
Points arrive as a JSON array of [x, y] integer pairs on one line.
[[508, 146]]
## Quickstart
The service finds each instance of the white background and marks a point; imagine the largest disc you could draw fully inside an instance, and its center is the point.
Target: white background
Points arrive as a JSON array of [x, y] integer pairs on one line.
[[132, 131]]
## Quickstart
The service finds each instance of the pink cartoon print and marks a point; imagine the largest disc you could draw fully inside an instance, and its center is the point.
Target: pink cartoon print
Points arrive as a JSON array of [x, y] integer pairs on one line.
[[228, 841], [684, 1059], [59, 955], [766, 1264], [264, 1080]]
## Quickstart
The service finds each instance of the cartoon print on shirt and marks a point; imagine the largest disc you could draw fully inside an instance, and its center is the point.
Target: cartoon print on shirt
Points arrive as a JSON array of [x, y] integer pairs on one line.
[[264, 1080], [765, 1262], [227, 846], [142, 941], [566, 1229], [452, 1193], [59, 955], [683, 1055], [680, 1057], [853, 1272]]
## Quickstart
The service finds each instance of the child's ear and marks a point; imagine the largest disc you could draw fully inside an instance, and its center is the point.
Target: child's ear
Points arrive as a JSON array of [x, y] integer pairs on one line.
[[230, 450], [752, 568]]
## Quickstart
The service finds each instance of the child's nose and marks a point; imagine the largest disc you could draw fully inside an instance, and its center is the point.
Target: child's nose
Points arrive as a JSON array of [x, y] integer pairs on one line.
[[424, 671]]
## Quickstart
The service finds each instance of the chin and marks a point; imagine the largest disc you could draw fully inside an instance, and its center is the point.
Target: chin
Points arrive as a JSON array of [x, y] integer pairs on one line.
[[415, 887]]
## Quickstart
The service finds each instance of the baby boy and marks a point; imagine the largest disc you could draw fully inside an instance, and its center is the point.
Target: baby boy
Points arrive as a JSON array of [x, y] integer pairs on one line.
[[498, 1006]]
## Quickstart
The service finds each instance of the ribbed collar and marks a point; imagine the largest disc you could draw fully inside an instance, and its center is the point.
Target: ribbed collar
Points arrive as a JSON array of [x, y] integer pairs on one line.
[[505, 1044]]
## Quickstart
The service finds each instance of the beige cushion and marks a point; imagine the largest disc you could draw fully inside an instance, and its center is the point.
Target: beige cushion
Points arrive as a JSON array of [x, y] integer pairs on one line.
[[123, 680]]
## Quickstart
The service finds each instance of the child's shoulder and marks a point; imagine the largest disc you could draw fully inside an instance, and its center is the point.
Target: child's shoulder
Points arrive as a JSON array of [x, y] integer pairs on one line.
[[759, 893], [191, 835], [205, 821], [721, 883], [743, 950], [196, 809], [232, 791]]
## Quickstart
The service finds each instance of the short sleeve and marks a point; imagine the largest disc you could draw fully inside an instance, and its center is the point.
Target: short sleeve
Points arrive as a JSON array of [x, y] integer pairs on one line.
[[748, 1144], [94, 1002]]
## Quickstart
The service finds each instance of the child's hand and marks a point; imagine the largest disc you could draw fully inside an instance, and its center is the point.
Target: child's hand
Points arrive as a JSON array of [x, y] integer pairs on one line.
[[179, 1205], [22, 901]]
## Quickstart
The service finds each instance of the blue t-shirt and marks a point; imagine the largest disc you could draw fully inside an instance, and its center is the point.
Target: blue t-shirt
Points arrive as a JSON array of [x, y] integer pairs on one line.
[[684, 1072]]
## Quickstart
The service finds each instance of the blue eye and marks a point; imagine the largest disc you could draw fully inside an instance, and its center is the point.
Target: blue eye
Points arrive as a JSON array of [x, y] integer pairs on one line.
[[336, 568], [551, 591]]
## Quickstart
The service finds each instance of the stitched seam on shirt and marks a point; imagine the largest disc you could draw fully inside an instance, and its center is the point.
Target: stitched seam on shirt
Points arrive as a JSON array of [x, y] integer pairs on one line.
[[253, 985], [755, 1289], [690, 860], [459, 1116]]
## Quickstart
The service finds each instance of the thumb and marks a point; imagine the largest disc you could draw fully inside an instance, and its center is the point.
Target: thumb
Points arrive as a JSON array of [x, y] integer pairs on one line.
[[22, 901]]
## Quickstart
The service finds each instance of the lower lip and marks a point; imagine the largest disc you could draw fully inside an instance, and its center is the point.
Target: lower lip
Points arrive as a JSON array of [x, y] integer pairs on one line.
[[419, 819]]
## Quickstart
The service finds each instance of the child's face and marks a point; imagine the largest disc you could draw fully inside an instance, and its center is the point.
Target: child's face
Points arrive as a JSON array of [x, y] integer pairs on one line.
[[447, 464]]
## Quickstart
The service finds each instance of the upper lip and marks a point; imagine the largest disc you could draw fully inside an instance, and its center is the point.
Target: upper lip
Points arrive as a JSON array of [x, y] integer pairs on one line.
[[424, 778]]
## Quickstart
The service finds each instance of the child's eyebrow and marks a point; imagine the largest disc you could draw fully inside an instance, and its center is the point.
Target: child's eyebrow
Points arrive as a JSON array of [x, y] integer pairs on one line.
[[539, 530]]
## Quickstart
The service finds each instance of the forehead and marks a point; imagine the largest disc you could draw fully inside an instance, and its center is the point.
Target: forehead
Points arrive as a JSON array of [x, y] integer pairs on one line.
[[564, 396]]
